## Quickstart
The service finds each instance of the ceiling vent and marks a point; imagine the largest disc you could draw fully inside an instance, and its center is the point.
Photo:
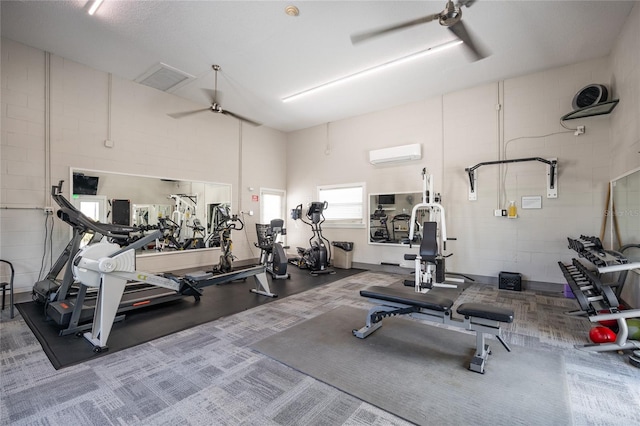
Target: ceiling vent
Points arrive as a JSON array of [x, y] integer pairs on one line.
[[395, 154], [165, 78]]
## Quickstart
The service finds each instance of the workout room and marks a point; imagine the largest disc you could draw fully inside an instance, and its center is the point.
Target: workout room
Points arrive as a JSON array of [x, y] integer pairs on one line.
[[313, 212]]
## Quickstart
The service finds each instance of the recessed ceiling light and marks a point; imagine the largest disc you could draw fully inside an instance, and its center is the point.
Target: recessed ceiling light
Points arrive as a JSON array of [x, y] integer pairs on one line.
[[292, 11]]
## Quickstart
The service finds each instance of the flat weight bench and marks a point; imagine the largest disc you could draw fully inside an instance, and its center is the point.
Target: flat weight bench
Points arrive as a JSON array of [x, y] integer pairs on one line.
[[478, 317]]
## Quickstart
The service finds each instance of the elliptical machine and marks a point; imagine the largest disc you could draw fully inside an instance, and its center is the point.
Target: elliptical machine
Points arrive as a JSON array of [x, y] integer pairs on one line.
[[317, 257], [271, 250], [226, 224]]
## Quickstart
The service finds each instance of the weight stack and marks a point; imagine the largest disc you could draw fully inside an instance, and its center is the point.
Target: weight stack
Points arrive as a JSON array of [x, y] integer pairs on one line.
[[510, 281]]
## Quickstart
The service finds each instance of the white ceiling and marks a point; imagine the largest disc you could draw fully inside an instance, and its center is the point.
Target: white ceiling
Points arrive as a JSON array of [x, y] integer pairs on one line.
[[266, 55]]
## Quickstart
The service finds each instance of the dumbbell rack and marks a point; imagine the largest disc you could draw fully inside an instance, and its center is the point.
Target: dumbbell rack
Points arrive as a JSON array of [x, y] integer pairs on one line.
[[593, 296]]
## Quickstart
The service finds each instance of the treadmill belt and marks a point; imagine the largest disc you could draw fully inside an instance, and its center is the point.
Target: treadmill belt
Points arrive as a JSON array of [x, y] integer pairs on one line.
[[153, 322]]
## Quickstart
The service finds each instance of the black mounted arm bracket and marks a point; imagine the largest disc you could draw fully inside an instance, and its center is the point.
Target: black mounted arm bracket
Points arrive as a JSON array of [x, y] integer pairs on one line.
[[552, 174]]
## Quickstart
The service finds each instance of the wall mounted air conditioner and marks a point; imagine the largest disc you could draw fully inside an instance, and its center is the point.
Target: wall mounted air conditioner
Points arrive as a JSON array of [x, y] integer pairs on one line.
[[396, 154]]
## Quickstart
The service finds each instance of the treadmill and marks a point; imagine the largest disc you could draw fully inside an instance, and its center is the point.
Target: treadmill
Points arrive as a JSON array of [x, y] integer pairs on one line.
[[70, 306]]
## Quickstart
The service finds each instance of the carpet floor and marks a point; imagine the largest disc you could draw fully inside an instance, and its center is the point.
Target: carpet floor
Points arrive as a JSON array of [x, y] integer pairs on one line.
[[210, 375]]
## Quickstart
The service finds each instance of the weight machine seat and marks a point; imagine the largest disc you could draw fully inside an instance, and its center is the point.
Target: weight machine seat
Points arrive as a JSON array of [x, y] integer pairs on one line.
[[480, 310], [434, 302], [428, 245], [429, 301]]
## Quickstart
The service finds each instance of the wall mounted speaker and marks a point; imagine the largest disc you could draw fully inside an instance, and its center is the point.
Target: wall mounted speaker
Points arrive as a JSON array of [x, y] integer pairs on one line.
[[590, 95]]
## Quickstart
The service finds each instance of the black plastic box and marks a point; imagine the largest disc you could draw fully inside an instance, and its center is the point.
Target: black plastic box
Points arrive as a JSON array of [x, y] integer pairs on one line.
[[510, 281]]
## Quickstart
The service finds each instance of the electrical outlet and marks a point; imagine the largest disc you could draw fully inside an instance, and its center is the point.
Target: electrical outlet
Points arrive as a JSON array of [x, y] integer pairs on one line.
[[579, 131], [497, 213], [48, 211]]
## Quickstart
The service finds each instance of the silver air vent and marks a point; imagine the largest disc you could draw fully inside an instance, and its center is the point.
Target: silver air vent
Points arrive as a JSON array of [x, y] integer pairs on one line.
[[165, 78]]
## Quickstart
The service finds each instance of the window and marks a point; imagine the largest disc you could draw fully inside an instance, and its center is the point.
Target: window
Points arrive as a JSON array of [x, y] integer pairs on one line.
[[272, 205], [94, 207], [345, 204]]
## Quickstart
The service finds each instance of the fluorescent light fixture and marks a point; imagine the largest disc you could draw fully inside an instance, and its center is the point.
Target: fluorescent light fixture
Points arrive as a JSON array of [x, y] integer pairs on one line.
[[370, 70], [96, 4]]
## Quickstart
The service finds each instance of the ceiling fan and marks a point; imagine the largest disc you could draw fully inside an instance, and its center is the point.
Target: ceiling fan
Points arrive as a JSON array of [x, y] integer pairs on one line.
[[450, 17], [214, 96]]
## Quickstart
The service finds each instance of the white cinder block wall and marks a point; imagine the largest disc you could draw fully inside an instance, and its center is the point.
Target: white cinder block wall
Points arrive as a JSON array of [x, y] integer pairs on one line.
[[459, 130], [204, 148], [456, 130]]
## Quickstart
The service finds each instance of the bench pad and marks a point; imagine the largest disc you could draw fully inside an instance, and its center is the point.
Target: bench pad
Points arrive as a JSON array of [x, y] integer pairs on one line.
[[420, 300], [480, 310]]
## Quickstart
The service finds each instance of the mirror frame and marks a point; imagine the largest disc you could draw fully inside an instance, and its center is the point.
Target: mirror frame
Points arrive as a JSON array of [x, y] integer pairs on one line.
[[169, 202]]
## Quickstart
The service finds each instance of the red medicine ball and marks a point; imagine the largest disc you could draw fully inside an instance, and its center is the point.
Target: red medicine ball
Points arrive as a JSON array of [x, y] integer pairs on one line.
[[602, 335]]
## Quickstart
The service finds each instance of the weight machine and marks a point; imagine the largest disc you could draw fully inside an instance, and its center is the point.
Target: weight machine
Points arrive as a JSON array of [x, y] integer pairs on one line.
[[429, 263]]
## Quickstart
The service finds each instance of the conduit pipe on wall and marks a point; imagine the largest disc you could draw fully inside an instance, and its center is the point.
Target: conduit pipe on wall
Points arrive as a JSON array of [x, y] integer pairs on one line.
[[240, 187], [109, 90], [500, 139], [47, 128]]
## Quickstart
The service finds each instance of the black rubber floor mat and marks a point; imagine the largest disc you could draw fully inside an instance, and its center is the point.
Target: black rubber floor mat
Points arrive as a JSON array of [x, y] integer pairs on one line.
[[151, 323]]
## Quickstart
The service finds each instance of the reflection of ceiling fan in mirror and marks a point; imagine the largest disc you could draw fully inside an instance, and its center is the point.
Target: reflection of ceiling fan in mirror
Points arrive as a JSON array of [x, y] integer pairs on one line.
[[214, 96], [450, 17]]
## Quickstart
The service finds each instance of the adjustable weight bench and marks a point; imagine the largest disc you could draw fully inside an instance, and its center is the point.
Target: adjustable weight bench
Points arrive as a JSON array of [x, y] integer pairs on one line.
[[478, 317]]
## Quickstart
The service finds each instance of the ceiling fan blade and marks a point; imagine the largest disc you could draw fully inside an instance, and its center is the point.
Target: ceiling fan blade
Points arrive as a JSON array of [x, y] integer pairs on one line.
[[466, 3], [474, 49], [214, 96], [187, 113], [239, 117], [360, 37]]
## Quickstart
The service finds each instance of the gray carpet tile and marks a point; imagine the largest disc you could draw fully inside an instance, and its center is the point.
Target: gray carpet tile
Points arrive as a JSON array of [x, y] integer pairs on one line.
[[208, 375]]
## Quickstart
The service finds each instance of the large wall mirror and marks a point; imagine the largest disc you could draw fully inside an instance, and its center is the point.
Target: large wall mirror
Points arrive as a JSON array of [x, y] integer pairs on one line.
[[192, 211], [390, 217], [624, 212]]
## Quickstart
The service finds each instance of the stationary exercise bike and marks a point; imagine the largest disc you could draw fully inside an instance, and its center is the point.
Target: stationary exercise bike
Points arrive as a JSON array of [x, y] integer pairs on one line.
[[272, 253], [317, 257]]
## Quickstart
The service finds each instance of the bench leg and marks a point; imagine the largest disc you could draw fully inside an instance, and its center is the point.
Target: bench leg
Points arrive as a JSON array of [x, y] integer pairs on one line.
[[366, 330], [482, 354], [370, 326]]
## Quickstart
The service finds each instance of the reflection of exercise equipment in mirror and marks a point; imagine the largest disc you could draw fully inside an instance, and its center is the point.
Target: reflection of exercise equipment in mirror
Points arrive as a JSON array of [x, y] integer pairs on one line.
[[191, 233], [272, 253], [318, 256], [378, 228], [151, 199], [389, 216], [400, 226], [429, 263]]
